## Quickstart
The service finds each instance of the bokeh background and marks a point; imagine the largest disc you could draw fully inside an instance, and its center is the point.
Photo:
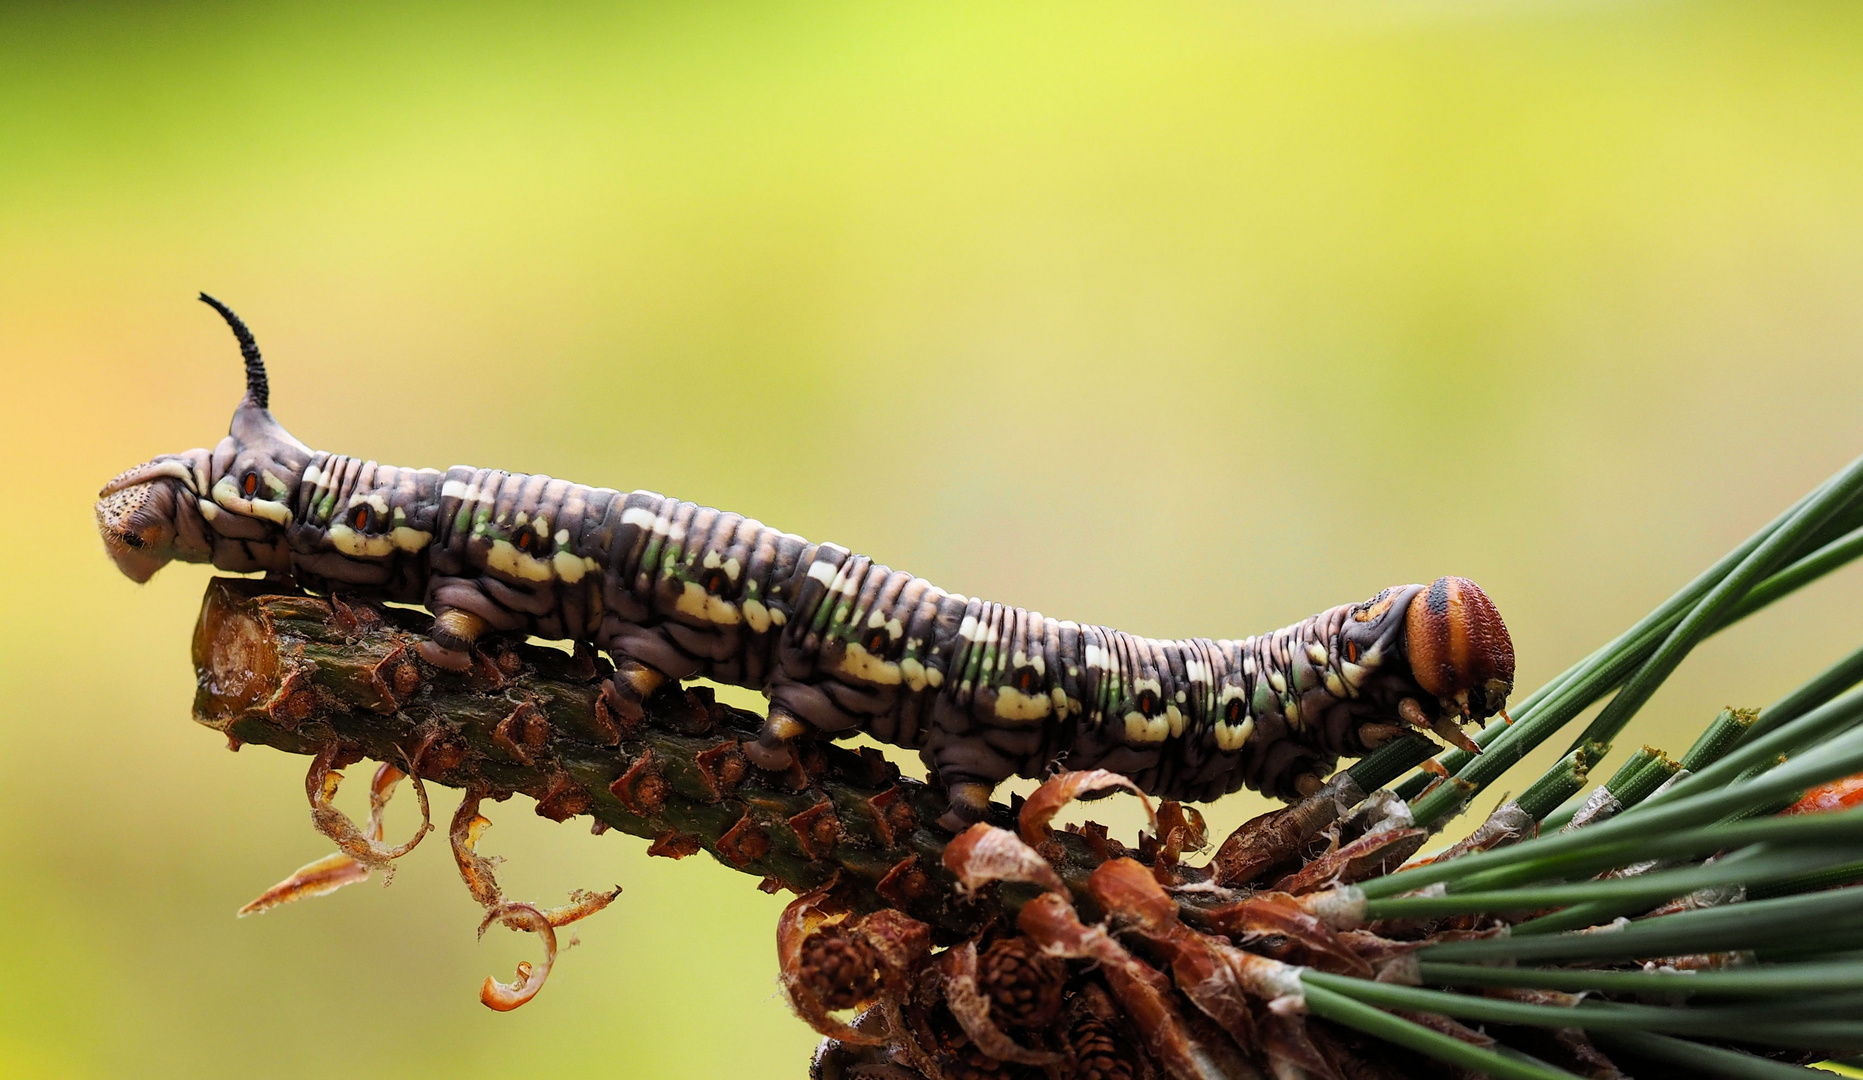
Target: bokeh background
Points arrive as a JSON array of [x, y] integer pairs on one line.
[[1191, 318]]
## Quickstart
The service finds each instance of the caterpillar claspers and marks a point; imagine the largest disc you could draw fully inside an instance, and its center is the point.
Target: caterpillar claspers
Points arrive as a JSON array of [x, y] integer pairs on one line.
[[839, 643]]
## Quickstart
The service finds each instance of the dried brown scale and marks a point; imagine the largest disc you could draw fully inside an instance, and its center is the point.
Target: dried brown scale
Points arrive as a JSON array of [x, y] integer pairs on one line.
[[840, 970], [1097, 1051], [723, 768], [817, 829], [905, 883], [1024, 987], [744, 842], [564, 800], [1366, 857]]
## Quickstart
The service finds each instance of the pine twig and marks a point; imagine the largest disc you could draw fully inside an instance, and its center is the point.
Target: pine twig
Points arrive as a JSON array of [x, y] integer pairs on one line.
[[299, 673]]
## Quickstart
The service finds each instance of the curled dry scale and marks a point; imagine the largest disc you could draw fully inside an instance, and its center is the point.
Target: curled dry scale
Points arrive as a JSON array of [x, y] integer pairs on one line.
[[935, 934]]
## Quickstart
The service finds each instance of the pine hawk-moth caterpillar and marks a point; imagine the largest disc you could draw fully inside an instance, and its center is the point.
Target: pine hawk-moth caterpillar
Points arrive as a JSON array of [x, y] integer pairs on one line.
[[838, 643]]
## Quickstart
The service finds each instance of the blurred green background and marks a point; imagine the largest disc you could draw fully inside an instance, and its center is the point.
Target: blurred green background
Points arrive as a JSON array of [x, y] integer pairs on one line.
[[1188, 318]]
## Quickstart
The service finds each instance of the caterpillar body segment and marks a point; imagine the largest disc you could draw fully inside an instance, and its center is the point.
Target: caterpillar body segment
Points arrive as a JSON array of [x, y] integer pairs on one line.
[[839, 643]]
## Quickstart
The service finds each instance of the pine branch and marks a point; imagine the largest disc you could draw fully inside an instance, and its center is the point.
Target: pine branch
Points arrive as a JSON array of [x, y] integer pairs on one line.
[[298, 673]]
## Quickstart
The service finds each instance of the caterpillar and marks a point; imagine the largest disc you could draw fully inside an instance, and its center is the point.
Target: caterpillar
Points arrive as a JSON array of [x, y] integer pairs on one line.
[[839, 644]]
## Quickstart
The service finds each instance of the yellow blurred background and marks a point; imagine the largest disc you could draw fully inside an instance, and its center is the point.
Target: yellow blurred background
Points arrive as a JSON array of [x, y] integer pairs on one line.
[[1188, 318]]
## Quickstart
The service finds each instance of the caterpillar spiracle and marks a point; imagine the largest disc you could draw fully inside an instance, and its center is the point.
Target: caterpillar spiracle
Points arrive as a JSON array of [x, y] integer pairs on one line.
[[839, 643]]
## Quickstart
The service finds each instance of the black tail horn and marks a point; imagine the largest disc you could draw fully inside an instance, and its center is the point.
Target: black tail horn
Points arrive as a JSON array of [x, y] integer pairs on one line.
[[256, 386]]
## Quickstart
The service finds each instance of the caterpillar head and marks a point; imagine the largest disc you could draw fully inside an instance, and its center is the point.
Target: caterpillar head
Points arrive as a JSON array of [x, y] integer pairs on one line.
[[228, 506], [1459, 648]]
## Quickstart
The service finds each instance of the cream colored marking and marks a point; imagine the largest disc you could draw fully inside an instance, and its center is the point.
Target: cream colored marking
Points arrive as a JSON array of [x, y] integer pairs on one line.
[[1352, 673], [1180, 698], [1060, 702], [1038, 662], [1097, 657], [914, 644], [861, 664], [691, 601], [711, 560], [822, 572], [934, 677], [1317, 653], [562, 537], [968, 628], [1336, 686], [1370, 657], [359, 545], [1141, 730], [777, 617], [371, 500], [522, 519], [208, 509], [1196, 671], [835, 584], [1175, 717], [229, 498], [507, 559], [1248, 664], [1141, 685], [409, 539], [757, 615], [1290, 708], [876, 620], [639, 516], [895, 629], [913, 671], [733, 568], [570, 567], [1016, 706], [1230, 693], [276, 512], [1277, 680], [1234, 736], [313, 475], [453, 489]]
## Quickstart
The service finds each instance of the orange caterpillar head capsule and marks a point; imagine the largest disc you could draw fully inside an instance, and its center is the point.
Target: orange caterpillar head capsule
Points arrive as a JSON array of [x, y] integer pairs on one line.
[[1459, 649]]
